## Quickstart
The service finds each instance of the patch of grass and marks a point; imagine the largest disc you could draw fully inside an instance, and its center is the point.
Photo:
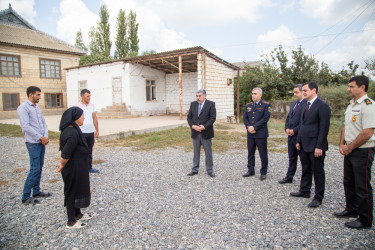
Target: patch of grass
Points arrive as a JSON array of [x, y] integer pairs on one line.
[[277, 145], [15, 131], [221, 126], [10, 130], [224, 141], [18, 170], [98, 161], [177, 137], [53, 136], [276, 126], [180, 138], [335, 131], [226, 138]]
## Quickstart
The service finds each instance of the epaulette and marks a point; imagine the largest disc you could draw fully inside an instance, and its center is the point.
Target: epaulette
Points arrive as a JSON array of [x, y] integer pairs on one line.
[[368, 101], [251, 103], [265, 102]]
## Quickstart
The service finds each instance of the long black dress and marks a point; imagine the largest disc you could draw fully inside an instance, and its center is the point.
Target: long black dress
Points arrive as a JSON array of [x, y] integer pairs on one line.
[[75, 173]]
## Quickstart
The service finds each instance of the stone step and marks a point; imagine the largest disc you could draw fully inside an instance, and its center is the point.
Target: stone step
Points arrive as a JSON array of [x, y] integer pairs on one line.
[[116, 108]]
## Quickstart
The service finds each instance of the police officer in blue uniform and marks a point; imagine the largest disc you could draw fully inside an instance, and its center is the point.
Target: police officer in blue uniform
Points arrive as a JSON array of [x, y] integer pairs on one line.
[[256, 115]]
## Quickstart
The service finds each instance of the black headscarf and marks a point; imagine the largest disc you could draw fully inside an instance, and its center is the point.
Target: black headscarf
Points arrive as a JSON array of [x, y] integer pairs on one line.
[[68, 118]]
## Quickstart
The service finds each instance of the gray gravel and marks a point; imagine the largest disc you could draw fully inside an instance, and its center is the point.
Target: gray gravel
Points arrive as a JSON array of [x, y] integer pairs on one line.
[[145, 200]]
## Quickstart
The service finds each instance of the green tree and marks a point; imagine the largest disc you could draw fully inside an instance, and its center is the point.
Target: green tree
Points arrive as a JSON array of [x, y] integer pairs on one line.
[[148, 52], [103, 33], [79, 42], [281, 71], [133, 34], [94, 41], [122, 40], [95, 55], [370, 65]]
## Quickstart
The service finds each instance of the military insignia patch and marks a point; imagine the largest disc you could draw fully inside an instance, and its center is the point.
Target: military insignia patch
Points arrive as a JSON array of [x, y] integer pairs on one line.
[[269, 109], [368, 101], [248, 109], [354, 118]]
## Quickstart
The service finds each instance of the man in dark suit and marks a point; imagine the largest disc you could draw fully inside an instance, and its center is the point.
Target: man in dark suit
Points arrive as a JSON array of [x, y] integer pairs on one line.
[[256, 115], [312, 141], [201, 118], [291, 129]]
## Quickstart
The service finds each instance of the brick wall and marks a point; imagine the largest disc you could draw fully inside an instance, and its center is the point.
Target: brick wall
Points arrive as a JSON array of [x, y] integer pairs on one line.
[[217, 88], [30, 75], [189, 87]]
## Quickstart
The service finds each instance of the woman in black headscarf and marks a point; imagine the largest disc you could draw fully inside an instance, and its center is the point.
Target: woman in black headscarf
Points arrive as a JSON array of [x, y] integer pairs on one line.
[[73, 166]]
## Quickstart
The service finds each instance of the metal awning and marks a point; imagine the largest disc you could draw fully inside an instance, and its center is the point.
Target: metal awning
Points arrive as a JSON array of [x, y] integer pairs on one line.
[[168, 61]]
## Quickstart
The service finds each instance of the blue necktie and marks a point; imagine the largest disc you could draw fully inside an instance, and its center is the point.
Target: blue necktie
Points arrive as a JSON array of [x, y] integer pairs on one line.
[[295, 108], [199, 108]]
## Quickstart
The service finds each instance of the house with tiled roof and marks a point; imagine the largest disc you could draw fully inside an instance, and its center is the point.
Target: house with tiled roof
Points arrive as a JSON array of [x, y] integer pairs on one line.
[[31, 57], [156, 84]]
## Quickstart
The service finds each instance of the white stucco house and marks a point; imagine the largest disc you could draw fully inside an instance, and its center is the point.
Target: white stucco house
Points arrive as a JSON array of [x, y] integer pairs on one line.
[[157, 84]]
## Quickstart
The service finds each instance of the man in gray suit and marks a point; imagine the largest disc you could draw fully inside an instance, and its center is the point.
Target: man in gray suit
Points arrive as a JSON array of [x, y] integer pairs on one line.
[[201, 118]]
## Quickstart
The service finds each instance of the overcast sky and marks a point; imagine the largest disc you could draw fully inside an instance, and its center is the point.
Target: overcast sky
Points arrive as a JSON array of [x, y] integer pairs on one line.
[[334, 31]]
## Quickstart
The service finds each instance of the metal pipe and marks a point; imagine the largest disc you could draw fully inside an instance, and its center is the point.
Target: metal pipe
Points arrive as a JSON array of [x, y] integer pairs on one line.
[[238, 96], [180, 83]]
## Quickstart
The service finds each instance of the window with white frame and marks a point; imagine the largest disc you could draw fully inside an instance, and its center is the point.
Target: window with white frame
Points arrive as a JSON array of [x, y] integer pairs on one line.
[[150, 90], [9, 65], [81, 85], [50, 68]]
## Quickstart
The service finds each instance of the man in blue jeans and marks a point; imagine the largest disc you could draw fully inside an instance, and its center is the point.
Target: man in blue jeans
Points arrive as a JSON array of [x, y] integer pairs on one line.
[[35, 132]]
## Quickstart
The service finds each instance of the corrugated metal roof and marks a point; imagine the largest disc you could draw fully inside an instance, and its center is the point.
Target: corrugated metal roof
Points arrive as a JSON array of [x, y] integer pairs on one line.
[[23, 37], [158, 60]]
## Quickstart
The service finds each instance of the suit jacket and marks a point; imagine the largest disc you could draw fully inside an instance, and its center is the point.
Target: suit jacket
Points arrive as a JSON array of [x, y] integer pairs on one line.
[[206, 118], [292, 120], [257, 116], [313, 130]]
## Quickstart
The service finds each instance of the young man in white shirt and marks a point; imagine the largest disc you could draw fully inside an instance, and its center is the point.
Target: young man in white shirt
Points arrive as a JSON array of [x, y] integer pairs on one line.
[[90, 127]]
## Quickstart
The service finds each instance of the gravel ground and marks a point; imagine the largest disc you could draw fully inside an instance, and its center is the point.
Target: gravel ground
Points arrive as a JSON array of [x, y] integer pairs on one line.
[[145, 200]]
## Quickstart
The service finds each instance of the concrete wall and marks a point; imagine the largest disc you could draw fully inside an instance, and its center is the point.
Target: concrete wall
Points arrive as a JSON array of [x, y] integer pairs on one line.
[[189, 88], [30, 75], [98, 80], [138, 74], [217, 88], [133, 78]]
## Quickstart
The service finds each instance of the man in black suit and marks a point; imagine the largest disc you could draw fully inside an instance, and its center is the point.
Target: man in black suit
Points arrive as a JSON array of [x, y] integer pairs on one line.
[[201, 118], [291, 129], [312, 141]]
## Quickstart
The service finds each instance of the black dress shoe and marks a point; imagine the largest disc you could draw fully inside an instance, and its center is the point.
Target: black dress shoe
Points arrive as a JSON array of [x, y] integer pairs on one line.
[[299, 194], [192, 173], [286, 180], [211, 174], [345, 214], [356, 224], [262, 177], [249, 174], [315, 203]]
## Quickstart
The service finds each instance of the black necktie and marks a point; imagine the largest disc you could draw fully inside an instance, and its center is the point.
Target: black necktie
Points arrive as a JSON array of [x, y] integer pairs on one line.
[[295, 108], [307, 109]]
